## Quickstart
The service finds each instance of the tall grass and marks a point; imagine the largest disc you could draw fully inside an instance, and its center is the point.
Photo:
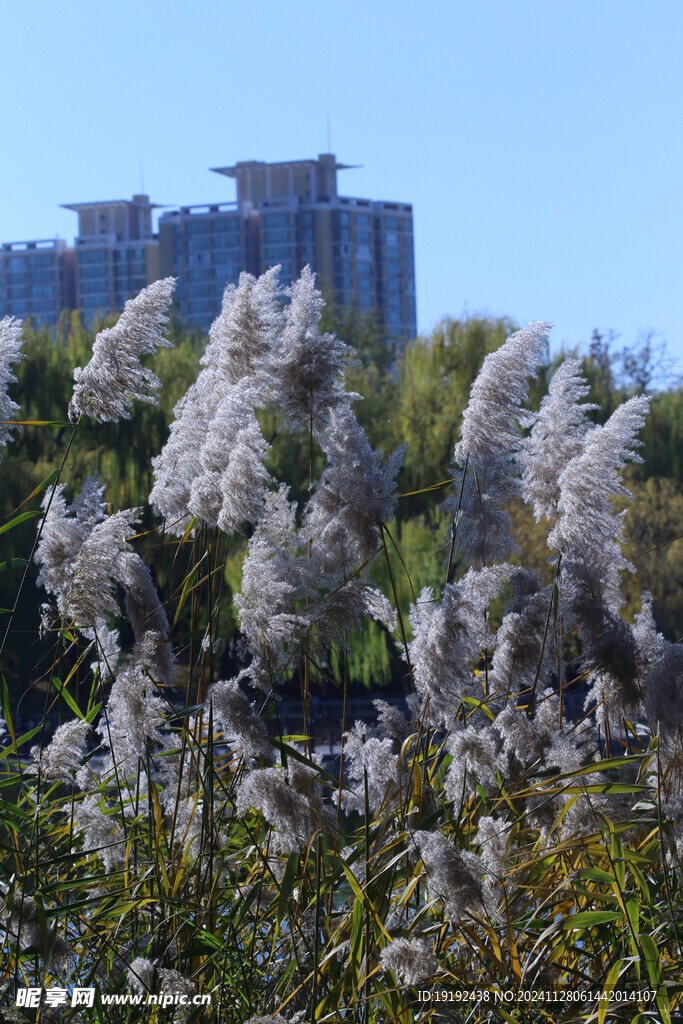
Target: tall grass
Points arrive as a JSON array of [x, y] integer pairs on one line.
[[492, 851]]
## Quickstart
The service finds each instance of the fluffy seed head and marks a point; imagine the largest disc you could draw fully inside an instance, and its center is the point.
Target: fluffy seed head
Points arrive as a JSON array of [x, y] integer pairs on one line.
[[454, 877], [492, 418], [354, 495], [411, 960], [63, 753], [448, 636], [10, 352], [309, 366], [587, 531], [236, 718], [114, 378], [556, 438]]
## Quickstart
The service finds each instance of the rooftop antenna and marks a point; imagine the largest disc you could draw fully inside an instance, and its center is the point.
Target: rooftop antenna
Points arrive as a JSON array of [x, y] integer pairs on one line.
[[329, 134], [142, 176]]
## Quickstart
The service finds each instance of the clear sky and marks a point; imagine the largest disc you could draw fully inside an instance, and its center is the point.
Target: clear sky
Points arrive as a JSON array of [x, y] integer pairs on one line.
[[540, 142]]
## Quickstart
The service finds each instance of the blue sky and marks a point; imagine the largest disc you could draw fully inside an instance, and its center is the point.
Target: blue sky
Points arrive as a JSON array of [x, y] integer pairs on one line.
[[540, 143]]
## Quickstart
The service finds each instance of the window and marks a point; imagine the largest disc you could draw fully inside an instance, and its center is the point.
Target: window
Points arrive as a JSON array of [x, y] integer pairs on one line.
[[307, 256], [41, 262], [198, 274], [42, 291], [93, 273], [94, 300], [199, 291], [276, 236], [92, 256], [197, 227], [198, 243], [42, 277], [226, 269], [225, 226]]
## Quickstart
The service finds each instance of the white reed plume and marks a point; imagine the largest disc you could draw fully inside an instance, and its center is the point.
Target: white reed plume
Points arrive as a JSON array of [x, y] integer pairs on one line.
[[115, 378], [557, 436], [490, 438], [492, 839], [78, 555], [454, 877], [476, 759], [411, 960], [10, 352], [197, 466], [268, 1020], [309, 366], [291, 807], [235, 716], [147, 616], [448, 637], [177, 465], [593, 478], [524, 653], [354, 495], [89, 595], [100, 829], [343, 607], [63, 753], [273, 578], [495, 411], [61, 539], [241, 337], [527, 739], [228, 489], [587, 530], [133, 719], [367, 758]]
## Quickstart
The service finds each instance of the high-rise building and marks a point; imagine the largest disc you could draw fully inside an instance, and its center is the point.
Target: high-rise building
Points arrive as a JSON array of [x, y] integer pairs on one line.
[[288, 213], [291, 213], [116, 253], [36, 280], [205, 247]]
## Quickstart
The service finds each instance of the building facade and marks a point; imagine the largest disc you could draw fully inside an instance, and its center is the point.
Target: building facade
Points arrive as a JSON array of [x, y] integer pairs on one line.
[[116, 253], [287, 213], [291, 214], [205, 247], [36, 280]]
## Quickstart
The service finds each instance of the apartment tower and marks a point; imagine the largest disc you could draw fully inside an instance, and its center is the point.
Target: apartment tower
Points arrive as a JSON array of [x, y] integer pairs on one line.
[[291, 213]]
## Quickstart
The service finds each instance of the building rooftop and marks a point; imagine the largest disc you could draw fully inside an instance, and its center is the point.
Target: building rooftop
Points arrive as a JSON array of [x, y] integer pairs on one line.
[[309, 180], [328, 160], [139, 201], [37, 243]]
